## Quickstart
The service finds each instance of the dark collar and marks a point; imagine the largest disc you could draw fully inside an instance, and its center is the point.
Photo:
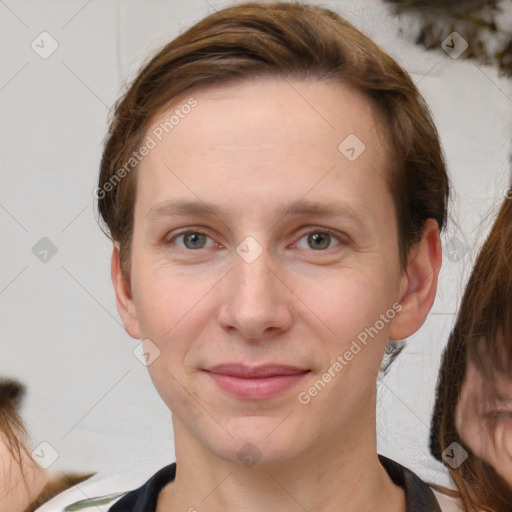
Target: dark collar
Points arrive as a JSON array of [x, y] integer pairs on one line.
[[419, 496]]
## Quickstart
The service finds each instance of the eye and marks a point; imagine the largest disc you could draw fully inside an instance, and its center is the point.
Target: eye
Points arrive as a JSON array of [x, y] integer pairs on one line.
[[319, 240], [498, 415], [192, 240], [503, 413]]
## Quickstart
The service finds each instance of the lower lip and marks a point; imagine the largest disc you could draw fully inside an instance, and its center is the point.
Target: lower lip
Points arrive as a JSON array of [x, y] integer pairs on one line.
[[256, 388]]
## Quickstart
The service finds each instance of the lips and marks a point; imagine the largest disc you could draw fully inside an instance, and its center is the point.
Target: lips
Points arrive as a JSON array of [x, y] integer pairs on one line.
[[253, 372], [256, 382]]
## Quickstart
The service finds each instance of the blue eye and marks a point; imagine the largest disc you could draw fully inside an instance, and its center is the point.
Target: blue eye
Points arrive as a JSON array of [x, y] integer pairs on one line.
[[319, 240]]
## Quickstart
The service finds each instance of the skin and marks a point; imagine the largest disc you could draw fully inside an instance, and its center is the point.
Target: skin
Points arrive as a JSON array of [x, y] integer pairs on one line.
[[478, 404], [250, 149], [19, 484]]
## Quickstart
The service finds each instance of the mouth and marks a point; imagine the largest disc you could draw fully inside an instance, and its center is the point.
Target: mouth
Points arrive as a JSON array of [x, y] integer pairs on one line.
[[249, 372], [256, 382]]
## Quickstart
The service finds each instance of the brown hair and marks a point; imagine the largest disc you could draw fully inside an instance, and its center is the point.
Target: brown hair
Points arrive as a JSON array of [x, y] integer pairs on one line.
[[11, 426], [284, 40], [482, 335]]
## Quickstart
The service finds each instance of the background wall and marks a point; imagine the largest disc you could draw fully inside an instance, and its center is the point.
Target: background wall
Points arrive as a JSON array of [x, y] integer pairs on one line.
[[88, 396]]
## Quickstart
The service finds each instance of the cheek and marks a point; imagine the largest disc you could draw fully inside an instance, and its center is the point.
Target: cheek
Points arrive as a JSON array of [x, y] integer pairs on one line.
[[173, 310], [169, 385], [496, 450], [164, 297], [505, 445], [357, 309], [359, 297]]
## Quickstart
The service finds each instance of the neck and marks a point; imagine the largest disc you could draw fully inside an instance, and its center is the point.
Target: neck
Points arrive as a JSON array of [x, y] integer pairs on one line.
[[343, 473]]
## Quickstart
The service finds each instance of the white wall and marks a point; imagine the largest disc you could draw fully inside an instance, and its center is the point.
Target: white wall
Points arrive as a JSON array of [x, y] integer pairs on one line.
[[88, 396]]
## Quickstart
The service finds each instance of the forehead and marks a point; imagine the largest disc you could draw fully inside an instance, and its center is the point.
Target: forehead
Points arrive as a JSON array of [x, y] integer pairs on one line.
[[257, 135]]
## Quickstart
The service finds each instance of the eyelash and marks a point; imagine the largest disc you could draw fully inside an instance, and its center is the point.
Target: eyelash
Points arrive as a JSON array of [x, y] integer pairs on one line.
[[501, 415], [333, 234]]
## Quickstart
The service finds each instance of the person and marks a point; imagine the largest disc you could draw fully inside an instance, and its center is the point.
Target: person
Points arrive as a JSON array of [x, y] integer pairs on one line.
[[24, 484], [274, 188], [471, 424]]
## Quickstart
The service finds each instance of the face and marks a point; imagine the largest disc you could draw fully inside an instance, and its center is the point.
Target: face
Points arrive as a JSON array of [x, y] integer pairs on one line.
[[483, 419], [19, 484], [294, 263]]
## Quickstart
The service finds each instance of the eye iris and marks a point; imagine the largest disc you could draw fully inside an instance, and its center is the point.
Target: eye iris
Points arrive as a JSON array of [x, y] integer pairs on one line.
[[319, 240], [194, 237]]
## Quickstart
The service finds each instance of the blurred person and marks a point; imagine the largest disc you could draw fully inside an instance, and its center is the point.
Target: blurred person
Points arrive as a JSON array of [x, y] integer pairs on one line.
[[472, 421], [24, 484]]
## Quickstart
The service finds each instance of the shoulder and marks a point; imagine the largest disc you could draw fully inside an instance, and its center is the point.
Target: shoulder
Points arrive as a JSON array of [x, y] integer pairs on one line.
[[419, 495], [144, 499], [102, 493], [114, 494]]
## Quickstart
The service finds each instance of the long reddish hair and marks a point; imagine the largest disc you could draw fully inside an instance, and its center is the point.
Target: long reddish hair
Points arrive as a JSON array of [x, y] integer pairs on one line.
[[483, 336]]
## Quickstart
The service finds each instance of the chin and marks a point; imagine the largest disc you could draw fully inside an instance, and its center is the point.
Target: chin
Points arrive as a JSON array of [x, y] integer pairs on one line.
[[261, 440]]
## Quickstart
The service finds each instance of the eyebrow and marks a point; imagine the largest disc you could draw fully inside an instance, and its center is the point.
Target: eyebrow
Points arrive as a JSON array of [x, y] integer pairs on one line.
[[294, 208]]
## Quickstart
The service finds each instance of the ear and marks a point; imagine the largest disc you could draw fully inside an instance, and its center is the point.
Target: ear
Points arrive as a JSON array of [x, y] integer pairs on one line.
[[124, 299], [418, 283]]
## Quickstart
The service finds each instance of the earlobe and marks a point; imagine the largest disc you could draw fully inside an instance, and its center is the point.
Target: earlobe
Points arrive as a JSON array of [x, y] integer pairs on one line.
[[419, 283], [124, 299]]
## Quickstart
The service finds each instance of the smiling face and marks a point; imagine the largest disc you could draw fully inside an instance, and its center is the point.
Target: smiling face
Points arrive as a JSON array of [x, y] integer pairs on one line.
[[321, 266]]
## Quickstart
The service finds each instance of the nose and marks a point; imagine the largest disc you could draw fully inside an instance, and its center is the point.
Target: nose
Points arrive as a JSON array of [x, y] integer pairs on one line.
[[256, 299]]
